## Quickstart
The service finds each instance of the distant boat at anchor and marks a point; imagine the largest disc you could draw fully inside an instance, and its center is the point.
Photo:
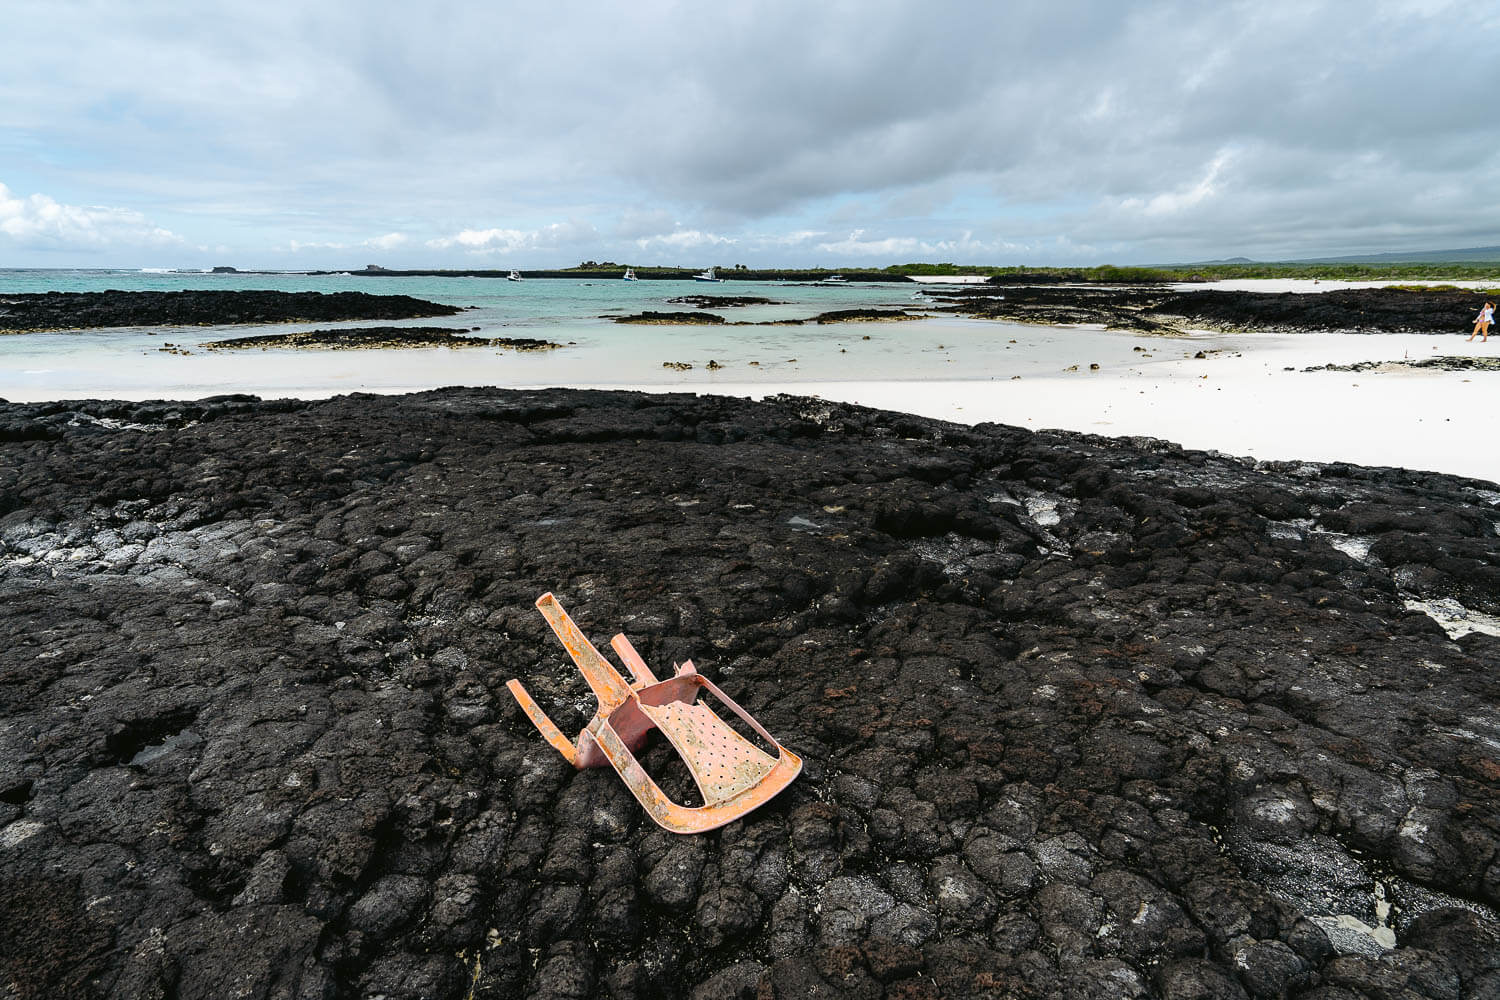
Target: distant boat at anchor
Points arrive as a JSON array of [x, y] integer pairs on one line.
[[707, 276], [834, 279], [630, 274], [514, 276]]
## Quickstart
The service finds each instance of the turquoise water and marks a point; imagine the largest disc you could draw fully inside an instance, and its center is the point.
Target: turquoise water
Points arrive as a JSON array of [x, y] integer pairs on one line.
[[538, 303], [147, 361]]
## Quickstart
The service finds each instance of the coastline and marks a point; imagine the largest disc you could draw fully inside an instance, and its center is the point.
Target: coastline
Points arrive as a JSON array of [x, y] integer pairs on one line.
[[1248, 395]]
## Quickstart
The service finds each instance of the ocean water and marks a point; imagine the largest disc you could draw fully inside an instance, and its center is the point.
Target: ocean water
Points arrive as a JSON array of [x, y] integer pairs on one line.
[[133, 362], [541, 303]]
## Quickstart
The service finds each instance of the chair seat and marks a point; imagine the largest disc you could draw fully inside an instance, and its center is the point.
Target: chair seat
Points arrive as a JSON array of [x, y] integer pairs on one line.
[[722, 762]]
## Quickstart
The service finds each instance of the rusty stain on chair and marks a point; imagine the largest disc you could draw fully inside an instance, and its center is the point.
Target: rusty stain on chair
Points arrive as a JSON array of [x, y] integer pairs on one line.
[[733, 775]]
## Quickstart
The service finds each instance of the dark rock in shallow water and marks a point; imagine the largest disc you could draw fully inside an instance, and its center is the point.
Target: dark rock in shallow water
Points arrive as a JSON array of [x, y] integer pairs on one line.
[[862, 315], [1081, 717], [712, 319], [649, 318], [86, 310], [378, 337], [721, 301]]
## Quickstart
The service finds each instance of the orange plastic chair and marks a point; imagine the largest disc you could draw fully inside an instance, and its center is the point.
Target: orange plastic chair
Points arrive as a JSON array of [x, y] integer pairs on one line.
[[733, 775]]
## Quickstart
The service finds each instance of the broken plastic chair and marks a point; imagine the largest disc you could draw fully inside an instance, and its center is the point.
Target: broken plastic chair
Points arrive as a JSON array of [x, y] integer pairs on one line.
[[733, 774]]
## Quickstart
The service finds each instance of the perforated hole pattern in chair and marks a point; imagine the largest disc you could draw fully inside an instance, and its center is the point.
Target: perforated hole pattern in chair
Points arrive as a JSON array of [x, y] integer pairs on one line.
[[722, 761]]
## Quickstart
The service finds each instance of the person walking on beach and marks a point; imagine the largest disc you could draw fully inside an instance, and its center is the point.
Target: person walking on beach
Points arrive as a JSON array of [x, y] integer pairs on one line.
[[1482, 323]]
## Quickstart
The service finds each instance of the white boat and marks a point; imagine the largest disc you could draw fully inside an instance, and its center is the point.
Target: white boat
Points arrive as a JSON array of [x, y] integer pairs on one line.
[[948, 279], [707, 276], [514, 276], [834, 279], [630, 274]]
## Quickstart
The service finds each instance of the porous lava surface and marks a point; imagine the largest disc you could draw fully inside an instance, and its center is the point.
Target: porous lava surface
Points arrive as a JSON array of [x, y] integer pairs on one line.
[[89, 310], [1081, 717]]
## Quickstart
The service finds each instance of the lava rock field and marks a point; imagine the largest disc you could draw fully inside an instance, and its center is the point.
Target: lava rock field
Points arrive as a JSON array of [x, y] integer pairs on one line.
[[1161, 310], [1081, 717]]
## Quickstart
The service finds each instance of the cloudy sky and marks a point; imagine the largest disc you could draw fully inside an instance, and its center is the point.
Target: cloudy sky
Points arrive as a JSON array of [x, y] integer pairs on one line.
[[294, 134]]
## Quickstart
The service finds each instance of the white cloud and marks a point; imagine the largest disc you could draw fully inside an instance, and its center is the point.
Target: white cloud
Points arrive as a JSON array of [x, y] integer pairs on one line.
[[500, 239], [387, 242], [800, 237], [40, 222], [902, 247], [1171, 202], [556, 236], [962, 248], [684, 239]]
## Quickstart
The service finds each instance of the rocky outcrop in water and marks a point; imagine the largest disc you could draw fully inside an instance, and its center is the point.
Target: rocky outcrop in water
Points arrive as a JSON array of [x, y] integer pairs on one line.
[[378, 337], [721, 301], [1081, 717], [20, 313], [655, 318], [863, 315], [713, 319]]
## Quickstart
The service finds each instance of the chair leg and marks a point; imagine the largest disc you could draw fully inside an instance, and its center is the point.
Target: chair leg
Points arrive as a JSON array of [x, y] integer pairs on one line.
[[608, 686], [538, 718], [632, 659]]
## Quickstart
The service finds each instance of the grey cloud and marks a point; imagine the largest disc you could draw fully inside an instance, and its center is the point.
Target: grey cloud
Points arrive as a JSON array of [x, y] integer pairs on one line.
[[1040, 125], [635, 224]]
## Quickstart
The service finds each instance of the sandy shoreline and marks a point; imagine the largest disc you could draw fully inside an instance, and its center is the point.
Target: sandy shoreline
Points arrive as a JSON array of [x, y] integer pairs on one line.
[[1247, 395], [1422, 421]]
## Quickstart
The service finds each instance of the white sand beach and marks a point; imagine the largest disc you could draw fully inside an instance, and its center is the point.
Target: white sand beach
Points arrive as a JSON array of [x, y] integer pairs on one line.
[[1247, 395], [1239, 399]]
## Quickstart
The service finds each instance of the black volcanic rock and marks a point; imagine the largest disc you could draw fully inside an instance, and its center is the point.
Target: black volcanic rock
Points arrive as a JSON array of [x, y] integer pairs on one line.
[[381, 337], [713, 319], [1081, 717], [1159, 309], [1446, 363], [684, 318], [861, 315], [721, 301], [87, 310], [1361, 310]]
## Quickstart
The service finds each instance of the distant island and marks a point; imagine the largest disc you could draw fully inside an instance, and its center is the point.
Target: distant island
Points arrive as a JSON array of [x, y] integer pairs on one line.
[[1472, 263]]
